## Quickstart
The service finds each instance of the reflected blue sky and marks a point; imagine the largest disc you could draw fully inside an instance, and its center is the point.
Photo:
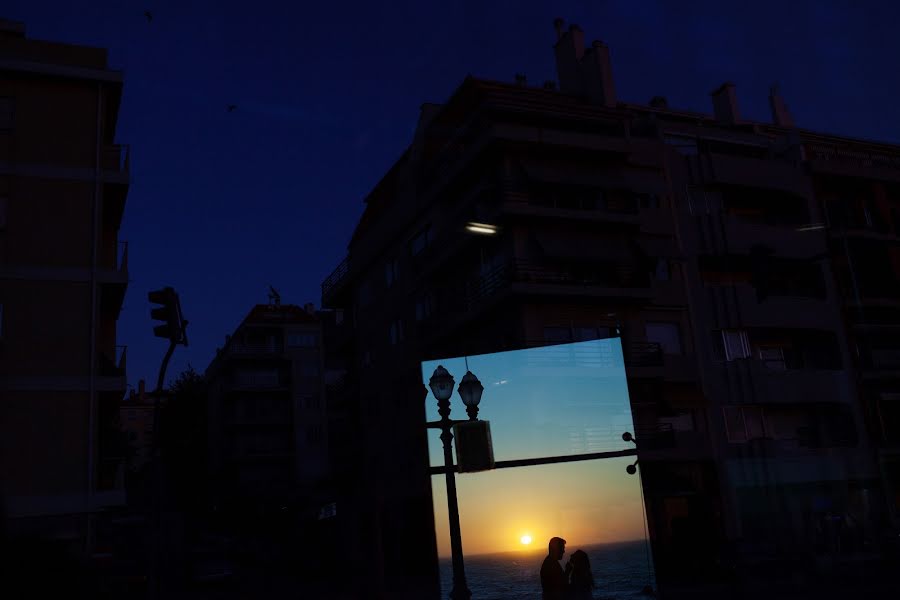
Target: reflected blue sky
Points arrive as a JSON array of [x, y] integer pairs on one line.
[[549, 401]]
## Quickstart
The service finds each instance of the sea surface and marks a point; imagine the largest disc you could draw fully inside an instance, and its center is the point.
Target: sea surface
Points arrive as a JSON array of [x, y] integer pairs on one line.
[[621, 571]]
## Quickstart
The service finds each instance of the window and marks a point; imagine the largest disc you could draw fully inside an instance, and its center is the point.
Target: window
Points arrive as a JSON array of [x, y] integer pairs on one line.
[[684, 145], [583, 334], [667, 335], [396, 332], [648, 200], [390, 272], [309, 368], [754, 422], [735, 344], [301, 340], [420, 241], [772, 357], [314, 434], [663, 272], [424, 306], [744, 423], [557, 334]]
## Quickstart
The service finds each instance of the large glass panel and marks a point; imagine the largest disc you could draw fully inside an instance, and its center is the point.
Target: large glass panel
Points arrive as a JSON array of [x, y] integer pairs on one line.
[[553, 401]]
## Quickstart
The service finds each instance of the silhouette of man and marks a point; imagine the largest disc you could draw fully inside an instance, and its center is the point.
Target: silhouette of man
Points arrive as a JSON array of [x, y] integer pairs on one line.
[[554, 580]]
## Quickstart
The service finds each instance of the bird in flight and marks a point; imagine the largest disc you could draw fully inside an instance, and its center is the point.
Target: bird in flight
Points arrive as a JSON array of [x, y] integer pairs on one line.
[[149, 16], [232, 107]]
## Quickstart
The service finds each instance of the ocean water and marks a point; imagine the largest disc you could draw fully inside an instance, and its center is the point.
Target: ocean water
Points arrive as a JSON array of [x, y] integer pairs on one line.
[[620, 572]]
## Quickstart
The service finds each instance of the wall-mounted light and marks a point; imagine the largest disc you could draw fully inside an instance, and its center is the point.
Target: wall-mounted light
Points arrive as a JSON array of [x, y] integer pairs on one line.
[[481, 228]]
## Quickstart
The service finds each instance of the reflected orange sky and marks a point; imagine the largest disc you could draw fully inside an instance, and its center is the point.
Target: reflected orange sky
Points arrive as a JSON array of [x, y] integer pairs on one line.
[[590, 502]]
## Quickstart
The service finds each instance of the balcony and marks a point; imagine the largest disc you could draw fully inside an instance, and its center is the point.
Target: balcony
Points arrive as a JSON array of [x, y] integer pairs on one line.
[[647, 360], [539, 278], [335, 284], [799, 385], [756, 172], [266, 350], [116, 163], [784, 311], [114, 280], [112, 364], [861, 160], [520, 205], [786, 241], [664, 442], [257, 381]]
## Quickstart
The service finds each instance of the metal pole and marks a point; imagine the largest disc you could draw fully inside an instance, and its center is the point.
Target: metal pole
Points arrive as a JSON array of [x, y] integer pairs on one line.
[[460, 589], [157, 474]]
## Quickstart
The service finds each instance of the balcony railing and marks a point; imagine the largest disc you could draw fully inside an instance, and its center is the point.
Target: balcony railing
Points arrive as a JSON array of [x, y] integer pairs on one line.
[[117, 158], [249, 348], [113, 366], [525, 271], [658, 437], [643, 354], [333, 281], [859, 158], [257, 380]]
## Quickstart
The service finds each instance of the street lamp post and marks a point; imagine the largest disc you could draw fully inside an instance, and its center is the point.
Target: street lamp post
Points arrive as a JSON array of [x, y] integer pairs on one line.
[[470, 389]]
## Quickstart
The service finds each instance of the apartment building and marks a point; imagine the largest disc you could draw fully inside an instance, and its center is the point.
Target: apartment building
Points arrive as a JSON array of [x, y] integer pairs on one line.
[[752, 269], [63, 275], [267, 420], [136, 423]]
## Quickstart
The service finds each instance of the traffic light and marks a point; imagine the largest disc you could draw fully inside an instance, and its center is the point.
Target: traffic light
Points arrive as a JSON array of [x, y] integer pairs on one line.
[[169, 312]]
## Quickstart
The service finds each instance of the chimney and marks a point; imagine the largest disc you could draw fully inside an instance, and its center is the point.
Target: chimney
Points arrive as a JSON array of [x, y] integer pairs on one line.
[[569, 49], [310, 308], [141, 391], [725, 106], [780, 114], [596, 70]]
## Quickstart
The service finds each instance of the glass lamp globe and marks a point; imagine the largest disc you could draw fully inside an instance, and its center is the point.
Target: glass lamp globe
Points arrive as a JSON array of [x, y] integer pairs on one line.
[[441, 384], [470, 390]]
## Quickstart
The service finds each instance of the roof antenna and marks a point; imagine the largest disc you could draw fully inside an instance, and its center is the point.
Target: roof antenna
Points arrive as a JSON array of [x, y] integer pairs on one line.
[[274, 297]]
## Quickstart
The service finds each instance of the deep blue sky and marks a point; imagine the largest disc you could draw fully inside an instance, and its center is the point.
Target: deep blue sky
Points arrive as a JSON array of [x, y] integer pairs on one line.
[[328, 93]]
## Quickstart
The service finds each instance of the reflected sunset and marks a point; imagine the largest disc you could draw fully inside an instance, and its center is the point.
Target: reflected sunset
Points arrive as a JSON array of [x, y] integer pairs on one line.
[[554, 401]]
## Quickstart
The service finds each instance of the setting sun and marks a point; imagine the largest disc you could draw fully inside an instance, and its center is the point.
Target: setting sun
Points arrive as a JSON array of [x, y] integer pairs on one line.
[[525, 539]]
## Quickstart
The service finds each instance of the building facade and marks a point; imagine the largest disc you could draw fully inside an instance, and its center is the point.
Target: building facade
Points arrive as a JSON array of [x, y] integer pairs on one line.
[[751, 268], [267, 422], [63, 275]]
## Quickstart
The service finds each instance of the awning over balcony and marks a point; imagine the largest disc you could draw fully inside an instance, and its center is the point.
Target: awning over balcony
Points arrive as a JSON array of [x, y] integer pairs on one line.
[[583, 246]]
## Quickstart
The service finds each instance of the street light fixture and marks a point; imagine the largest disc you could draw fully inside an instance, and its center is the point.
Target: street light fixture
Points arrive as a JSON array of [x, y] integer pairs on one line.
[[470, 390], [441, 384]]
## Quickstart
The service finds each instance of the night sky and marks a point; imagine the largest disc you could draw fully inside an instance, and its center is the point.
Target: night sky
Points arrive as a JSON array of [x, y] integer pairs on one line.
[[224, 204]]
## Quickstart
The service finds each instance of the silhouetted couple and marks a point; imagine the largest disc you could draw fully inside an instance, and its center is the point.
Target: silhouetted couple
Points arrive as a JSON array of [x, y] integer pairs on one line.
[[574, 583]]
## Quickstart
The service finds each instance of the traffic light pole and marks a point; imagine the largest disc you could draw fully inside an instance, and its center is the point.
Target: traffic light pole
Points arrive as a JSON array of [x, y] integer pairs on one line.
[[158, 474]]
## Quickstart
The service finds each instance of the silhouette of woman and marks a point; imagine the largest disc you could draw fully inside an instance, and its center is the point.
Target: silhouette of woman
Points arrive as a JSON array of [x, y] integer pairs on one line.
[[581, 582]]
